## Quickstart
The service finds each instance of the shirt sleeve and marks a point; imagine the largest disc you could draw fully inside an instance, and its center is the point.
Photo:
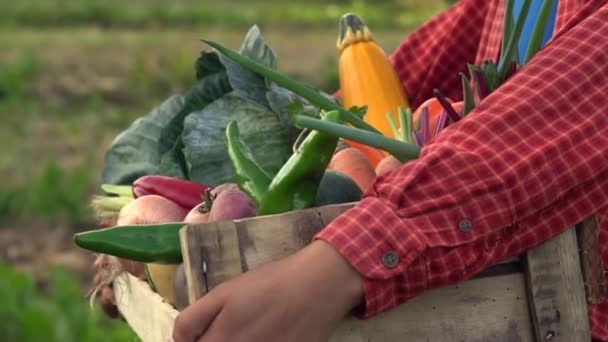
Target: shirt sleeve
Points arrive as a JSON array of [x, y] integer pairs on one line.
[[530, 161]]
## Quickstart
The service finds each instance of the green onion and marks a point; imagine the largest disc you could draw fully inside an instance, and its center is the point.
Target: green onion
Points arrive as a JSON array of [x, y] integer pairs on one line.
[[508, 25], [481, 83], [301, 89], [469, 100], [118, 190], [536, 40], [511, 50], [405, 120], [391, 122], [400, 150]]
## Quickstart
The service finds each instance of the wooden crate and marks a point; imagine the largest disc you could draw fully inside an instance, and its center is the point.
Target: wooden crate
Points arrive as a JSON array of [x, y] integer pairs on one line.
[[539, 296]]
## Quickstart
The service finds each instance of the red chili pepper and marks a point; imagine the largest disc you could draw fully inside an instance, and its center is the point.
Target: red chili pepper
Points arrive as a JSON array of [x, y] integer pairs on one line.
[[185, 193]]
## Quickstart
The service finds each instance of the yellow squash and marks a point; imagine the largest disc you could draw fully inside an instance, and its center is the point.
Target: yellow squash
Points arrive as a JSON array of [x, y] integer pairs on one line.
[[367, 77], [160, 277]]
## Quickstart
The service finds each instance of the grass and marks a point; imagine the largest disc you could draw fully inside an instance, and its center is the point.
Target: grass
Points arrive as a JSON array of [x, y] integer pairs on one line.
[[58, 313], [191, 13]]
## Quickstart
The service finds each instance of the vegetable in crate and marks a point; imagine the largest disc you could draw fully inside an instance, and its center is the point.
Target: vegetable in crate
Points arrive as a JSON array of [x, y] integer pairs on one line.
[[250, 175], [230, 203], [141, 211], [295, 186], [354, 164], [337, 188], [185, 193], [367, 77], [159, 242], [137, 239], [107, 206], [489, 76]]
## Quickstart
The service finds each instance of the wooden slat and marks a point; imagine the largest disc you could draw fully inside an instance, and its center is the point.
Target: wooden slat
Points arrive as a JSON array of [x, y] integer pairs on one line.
[[509, 260], [479, 310], [144, 310], [229, 248], [556, 294], [484, 310], [592, 266], [214, 249], [193, 264]]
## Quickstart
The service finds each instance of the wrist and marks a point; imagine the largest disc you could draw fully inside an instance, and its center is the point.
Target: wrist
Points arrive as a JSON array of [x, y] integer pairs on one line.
[[345, 284]]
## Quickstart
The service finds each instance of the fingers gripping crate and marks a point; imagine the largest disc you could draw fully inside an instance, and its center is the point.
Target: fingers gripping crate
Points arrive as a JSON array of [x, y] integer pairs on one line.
[[539, 296]]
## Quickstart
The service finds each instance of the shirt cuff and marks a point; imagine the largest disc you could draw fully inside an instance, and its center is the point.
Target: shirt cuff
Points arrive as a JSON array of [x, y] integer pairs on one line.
[[381, 246]]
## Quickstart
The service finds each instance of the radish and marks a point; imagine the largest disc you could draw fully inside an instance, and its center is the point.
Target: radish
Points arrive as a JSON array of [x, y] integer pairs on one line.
[[224, 202], [230, 204], [198, 214]]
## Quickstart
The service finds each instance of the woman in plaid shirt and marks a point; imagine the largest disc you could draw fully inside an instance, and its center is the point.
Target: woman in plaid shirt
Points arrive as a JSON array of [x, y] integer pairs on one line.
[[529, 162]]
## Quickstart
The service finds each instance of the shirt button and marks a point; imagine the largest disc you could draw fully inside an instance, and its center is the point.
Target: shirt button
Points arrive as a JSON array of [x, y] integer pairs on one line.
[[465, 225], [390, 259]]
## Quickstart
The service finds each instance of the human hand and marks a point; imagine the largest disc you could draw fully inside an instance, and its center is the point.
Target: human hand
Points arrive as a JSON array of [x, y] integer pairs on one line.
[[299, 298]]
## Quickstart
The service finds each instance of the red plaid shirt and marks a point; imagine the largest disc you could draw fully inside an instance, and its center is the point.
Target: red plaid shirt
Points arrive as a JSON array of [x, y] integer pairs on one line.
[[528, 163]]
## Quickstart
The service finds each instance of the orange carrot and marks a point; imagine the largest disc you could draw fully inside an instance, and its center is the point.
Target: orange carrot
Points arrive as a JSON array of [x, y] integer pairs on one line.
[[354, 164], [374, 155]]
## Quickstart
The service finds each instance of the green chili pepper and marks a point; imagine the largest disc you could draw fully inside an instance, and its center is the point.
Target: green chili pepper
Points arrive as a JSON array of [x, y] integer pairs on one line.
[[250, 176], [157, 243], [295, 185]]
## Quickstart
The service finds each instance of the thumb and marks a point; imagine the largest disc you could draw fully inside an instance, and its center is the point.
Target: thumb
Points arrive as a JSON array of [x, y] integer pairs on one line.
[[194, 320]]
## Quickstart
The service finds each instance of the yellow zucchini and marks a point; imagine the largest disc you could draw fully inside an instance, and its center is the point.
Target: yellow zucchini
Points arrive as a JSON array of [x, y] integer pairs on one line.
[[367, 77], [160, 277]]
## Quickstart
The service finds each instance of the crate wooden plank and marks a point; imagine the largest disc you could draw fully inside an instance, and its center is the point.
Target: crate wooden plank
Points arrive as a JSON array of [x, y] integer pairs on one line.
[[478, 310], [195, 279], [143, 309], [592, 265], [230, 248], [556, 292], [445, 314]]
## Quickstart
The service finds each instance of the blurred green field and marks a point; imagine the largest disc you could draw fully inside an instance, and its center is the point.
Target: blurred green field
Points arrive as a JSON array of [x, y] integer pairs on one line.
[[234, 14], [74, 73]]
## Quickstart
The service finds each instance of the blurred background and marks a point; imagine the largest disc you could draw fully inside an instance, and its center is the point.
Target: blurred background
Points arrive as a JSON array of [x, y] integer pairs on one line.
[[74, 73]]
